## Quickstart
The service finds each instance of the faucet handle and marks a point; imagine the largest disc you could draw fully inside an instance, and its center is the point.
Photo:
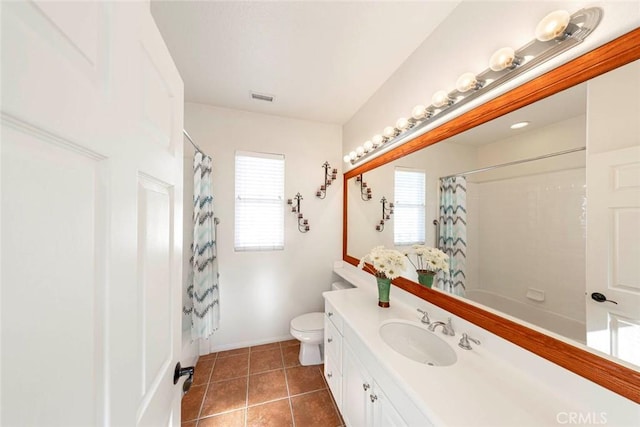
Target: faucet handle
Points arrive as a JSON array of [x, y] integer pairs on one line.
[[448, 328], [425, 317], [464, 341]]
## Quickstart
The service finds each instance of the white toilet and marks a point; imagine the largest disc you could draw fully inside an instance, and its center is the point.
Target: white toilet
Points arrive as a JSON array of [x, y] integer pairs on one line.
[[309, 330]]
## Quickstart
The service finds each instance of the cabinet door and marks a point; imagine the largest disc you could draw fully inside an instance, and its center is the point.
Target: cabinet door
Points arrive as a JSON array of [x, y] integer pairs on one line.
[[356, 388], [384, 414], [334, 379]]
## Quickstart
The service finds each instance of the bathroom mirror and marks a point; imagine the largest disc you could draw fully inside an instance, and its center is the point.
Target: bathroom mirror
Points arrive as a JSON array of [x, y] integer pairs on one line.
[[521, 188], [514, 202]]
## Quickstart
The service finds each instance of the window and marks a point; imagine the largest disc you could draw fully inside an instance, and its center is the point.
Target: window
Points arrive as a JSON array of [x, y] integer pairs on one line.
[[409, 207], [259, 215]]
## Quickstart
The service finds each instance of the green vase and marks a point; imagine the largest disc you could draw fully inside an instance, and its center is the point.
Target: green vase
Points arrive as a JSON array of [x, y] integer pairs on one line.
[[384, 285], [425, 277]]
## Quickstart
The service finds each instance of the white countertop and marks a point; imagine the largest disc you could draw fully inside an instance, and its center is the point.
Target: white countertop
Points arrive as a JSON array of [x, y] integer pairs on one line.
[[481, 389]]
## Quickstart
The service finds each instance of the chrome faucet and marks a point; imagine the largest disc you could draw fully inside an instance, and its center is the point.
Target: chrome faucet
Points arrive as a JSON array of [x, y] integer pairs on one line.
[[425, 317], [464, 342], [447, 328]]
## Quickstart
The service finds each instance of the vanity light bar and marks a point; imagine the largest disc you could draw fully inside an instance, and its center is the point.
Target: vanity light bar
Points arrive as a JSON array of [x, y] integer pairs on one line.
[[555, 34]]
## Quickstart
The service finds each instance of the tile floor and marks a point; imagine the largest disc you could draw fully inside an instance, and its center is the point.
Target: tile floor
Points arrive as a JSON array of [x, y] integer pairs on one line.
[[259, 386]]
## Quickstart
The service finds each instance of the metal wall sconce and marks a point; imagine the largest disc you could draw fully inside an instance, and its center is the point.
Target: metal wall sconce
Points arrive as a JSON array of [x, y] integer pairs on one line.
[[556, 33], [365, 191], [303, 224], [386, 213], [328, 179]]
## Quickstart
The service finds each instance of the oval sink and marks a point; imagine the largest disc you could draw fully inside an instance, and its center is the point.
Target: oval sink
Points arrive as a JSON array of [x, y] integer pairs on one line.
[[417, 343]]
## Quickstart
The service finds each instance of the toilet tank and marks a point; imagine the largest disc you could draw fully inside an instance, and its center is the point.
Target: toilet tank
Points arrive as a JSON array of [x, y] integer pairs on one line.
[[340, 285]]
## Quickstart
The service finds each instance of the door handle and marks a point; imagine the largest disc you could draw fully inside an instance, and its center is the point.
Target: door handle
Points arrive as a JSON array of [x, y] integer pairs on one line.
[[598, 297], [180, 372]]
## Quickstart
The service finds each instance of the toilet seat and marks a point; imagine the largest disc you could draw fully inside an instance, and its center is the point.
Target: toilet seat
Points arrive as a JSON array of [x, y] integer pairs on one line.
[[310, 322]]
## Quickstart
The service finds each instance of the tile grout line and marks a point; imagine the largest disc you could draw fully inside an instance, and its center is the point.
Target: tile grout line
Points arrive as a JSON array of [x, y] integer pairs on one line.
[[204, 396], [206, 390], [246, 397], [286, 380]]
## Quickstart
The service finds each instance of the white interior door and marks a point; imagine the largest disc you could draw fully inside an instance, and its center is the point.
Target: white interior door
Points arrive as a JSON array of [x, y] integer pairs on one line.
[[91, 234], [613, 253]]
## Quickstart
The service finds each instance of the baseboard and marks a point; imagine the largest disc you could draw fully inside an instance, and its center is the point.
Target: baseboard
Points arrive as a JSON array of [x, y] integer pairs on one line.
[[233, 346]]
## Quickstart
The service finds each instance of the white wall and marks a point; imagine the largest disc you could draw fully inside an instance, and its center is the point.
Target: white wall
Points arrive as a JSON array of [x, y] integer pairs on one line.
[[260, 292], [464, 42], [614, 109]]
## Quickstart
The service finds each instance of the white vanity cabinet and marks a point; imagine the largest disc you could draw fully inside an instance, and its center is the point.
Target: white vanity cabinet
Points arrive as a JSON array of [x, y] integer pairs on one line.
[[333, 352], [364, 402], [366, 395]]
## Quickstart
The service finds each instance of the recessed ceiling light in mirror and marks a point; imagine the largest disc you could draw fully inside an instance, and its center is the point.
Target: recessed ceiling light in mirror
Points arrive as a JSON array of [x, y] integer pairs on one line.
[[519, 125]]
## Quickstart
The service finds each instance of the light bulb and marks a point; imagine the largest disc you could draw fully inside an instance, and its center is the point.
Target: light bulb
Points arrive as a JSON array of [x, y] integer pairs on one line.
[[552, 25], [519, 125], [418, 112], [389, 132], [353, 155], [347, 159], [440, 99], [503, 58], [402, 124], [466, 82], [377, 140], [368, 146], [359, 151]]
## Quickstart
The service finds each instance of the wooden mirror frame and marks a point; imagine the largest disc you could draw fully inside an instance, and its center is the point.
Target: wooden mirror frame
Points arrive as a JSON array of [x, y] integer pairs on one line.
[[609, 374]]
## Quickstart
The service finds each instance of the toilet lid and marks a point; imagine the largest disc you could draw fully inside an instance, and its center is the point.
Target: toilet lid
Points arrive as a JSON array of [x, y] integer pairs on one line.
[[308, 322]]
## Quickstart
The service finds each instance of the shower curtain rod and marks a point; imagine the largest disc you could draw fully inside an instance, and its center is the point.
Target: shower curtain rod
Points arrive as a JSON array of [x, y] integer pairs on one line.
[[517, 162], [191, 141]]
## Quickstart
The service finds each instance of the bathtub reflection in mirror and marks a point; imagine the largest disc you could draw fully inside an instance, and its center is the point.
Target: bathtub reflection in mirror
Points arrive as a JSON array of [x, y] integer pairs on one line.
[[518, 231]]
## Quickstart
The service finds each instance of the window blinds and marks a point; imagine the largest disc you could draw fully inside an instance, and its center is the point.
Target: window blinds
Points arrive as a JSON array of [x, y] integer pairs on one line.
[[259, 202], [409, 208]]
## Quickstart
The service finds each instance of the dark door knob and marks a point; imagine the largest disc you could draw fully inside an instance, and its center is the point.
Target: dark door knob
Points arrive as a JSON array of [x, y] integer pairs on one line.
[[597, 296], [180, 372]]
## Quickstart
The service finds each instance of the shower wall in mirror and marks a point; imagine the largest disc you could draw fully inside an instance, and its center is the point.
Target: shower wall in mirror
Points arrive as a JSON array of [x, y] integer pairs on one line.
[[526, 219]]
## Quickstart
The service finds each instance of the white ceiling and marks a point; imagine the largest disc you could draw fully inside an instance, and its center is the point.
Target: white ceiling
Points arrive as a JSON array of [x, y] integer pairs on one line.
[[561, 106], [322, 60]]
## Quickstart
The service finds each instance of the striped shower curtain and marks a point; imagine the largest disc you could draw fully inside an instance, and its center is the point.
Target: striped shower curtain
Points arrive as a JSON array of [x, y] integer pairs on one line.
[[453, 233], [202, 290]]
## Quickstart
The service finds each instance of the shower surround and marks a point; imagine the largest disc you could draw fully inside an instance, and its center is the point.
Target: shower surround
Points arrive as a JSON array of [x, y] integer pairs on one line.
[[528, 234]]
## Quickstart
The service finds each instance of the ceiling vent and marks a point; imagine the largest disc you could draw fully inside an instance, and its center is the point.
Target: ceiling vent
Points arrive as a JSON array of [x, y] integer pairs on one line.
[[262, 97]]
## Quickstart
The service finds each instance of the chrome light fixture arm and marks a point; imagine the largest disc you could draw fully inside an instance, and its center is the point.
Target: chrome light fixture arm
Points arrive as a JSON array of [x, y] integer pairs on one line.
[[556, 33]]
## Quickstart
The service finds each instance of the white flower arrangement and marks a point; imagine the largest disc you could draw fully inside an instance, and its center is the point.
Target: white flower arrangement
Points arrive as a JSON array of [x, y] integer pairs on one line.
[[387, 263], [430, 259]]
